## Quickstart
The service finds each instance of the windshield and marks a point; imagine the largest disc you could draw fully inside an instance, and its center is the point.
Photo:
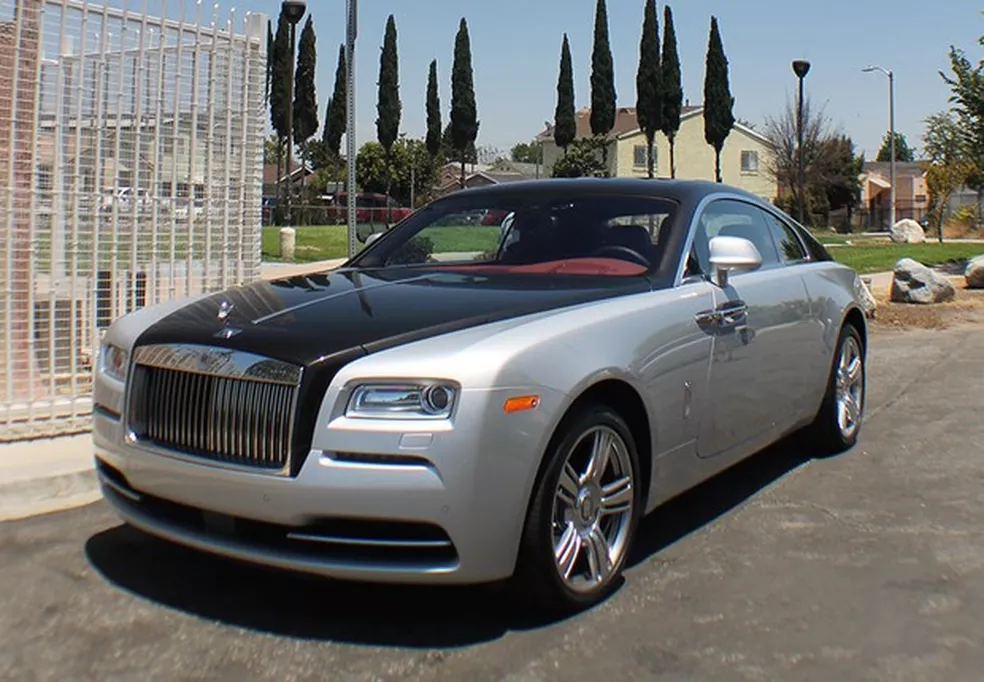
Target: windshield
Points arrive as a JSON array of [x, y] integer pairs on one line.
[[599, 235]]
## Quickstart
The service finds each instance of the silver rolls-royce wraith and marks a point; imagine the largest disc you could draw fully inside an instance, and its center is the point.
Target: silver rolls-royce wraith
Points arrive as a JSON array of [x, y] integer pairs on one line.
[[498, 387]]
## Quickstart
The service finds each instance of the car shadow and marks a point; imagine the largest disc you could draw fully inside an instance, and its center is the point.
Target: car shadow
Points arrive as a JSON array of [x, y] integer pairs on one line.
[[308, 607]]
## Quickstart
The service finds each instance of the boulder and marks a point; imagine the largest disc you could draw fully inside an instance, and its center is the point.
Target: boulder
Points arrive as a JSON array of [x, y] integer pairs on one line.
[[907, 231], [913, 282], [975, 272], [867, 299]]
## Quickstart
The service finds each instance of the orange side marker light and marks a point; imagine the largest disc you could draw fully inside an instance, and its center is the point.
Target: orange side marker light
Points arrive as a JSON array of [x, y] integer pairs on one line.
[[521, 403]]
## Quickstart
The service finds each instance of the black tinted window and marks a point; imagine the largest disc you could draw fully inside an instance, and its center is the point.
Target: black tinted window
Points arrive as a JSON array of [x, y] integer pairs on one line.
[[790, 249]]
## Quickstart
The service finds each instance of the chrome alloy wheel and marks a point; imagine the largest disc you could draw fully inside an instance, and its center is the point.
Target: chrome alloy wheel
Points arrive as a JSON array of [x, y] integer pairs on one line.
[[849, 388], [593, 509]]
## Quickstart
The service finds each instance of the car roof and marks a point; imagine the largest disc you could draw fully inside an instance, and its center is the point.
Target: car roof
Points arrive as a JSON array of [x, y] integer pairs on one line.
[[679, 190]]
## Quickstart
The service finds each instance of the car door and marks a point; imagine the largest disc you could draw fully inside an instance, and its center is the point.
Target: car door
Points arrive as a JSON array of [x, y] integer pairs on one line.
[[751, 387]]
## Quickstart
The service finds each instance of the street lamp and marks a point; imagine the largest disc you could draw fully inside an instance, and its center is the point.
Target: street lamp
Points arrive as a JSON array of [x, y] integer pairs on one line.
[[801, 67], [351, 8], [293, 11], [891, 132]]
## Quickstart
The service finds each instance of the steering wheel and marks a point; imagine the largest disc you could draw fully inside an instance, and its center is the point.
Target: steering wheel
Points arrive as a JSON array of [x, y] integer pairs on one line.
[[622, 253]]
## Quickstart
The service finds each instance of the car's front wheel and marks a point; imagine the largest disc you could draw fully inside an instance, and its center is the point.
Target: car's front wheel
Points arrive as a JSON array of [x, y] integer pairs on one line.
[[838, 424], [584, 512]]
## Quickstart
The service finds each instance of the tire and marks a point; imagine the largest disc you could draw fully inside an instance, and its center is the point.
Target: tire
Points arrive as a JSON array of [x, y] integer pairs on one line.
[[828, 435], [605, 509]]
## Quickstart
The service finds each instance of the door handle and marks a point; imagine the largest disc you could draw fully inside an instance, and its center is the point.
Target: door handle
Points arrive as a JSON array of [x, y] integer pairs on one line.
[[728, 314]]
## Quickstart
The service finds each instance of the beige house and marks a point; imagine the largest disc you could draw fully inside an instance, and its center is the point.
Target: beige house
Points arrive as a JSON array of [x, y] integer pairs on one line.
[[743, 158], [911, 192]]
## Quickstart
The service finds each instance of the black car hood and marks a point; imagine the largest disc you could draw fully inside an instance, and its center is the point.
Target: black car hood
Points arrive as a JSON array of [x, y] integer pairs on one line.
[[313, 318]]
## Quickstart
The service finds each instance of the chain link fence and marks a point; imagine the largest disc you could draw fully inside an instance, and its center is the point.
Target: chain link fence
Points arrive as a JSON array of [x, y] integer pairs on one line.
[[130, 173]]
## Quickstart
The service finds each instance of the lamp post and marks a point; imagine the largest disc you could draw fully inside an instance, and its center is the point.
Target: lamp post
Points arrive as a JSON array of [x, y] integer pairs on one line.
[[293, 12], [801, 67], [351, 7], [891, 133]]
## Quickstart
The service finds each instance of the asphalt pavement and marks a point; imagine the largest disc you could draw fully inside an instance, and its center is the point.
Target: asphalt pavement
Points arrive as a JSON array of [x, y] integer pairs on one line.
[[868, 566]]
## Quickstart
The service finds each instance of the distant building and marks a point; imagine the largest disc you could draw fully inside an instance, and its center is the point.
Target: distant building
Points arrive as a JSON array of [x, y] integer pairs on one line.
[[743, 158]]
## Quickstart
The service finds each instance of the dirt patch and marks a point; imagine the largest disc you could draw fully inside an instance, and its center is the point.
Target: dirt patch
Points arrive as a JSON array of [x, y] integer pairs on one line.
[[967, 307]]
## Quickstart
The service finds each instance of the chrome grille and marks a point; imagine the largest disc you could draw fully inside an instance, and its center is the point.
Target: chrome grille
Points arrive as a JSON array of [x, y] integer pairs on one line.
[[215, 404]]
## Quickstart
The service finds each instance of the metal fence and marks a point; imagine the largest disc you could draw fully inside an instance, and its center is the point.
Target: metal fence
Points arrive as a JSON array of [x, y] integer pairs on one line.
[[130, 173]]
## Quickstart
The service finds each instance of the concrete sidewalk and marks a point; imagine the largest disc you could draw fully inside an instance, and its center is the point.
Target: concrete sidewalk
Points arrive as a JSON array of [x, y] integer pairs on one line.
[[47, 475]]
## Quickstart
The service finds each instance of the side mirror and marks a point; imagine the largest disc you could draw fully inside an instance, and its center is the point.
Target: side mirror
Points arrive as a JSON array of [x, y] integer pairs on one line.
[[372, 237], [733, 254], [363, 231]]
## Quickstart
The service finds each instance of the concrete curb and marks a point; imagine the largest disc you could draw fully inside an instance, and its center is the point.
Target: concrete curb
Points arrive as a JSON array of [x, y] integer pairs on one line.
[[43, 476]]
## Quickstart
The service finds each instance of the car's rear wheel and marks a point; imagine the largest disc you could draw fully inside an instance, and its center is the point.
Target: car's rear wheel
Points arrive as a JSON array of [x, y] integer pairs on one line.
[[584, 512], [838, 424]]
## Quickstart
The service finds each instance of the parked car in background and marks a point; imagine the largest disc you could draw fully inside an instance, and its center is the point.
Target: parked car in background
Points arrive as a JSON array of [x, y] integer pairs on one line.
[[369, 208], [465, 403]]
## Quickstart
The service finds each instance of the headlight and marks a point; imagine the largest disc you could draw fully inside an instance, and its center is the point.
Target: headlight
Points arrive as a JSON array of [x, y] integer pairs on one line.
[[414, 400], [113, 361]]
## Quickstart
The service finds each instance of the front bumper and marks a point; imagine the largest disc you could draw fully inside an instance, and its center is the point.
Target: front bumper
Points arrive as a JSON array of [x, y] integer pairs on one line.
[[393, 502]]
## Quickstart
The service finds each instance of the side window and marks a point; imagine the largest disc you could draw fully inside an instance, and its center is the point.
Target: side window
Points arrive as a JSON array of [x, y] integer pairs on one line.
[[731, 218], [790, 248]]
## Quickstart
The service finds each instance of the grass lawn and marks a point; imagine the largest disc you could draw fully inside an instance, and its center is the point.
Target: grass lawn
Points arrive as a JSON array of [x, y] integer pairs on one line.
[[881, 257], [331, 241]]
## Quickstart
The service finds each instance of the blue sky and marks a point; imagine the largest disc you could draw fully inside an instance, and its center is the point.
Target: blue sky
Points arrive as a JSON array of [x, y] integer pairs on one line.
[[516, 49]]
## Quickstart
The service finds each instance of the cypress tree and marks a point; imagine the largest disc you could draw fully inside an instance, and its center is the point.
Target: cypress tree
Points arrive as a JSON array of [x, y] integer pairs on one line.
[[718, 103], [388, 107], [464, 112], [649, 103], [603, 94], [672, 87], [280, 85], [565, 125], [305, 93], [336, 119], [433, 113]]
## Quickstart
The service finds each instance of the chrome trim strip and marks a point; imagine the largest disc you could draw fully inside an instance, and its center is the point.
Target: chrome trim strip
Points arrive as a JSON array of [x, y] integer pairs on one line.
[[365, 542], [117, 488], [218, 362]]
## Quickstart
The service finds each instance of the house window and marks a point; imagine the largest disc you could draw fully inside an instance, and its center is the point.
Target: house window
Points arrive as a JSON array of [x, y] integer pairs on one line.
[[749, 161], [921, 199], [639, 156]]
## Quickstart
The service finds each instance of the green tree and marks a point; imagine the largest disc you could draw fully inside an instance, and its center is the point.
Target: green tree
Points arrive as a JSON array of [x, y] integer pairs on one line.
[[280, 61], [407, 170], [839, 174], [603, 95], [273, 151], [305, 92], [433, 112], [388, 108], [449, 152], [336, 118], [671, 82], [967, 96], [525, 152], [649, 100], [903, 152], [946, 169], [719, 118], [565, 124], [464, 111], [582, 159]]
